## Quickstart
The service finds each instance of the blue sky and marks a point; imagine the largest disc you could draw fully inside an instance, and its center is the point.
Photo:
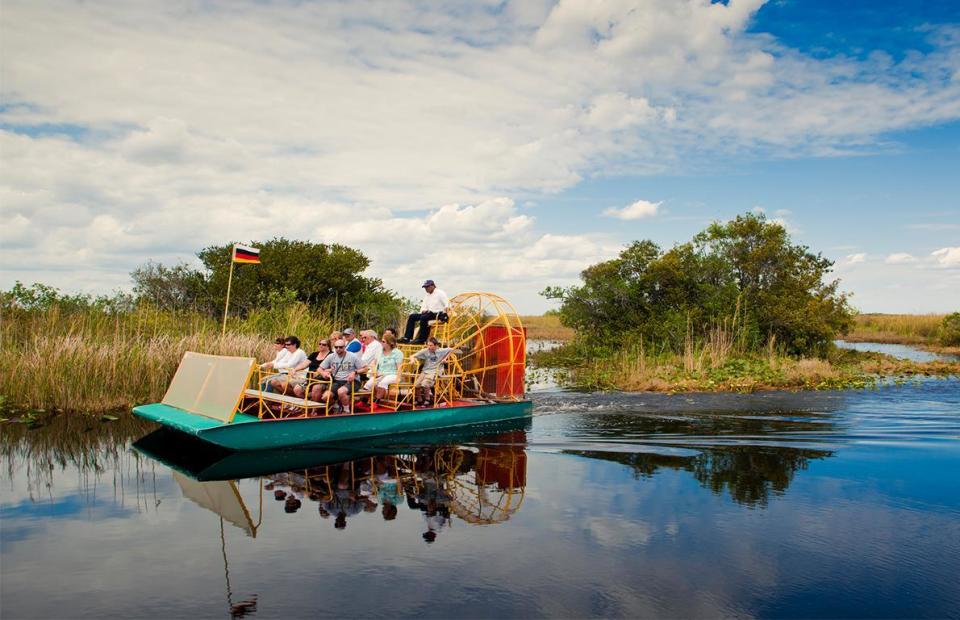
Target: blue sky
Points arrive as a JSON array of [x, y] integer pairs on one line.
[[497, 146]]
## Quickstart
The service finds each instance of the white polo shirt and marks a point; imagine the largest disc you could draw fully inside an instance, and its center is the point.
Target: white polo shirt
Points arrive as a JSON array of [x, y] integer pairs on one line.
[[436, 301]]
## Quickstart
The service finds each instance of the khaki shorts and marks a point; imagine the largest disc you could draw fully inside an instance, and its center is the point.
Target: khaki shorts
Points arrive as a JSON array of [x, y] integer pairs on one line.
[[426, 380], [287, 379]]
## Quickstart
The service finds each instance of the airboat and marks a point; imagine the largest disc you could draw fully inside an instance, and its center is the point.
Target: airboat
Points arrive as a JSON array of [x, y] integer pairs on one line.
[[218, 398]]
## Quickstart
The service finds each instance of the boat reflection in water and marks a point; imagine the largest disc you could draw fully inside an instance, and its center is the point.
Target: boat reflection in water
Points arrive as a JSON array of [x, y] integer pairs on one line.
[[429, 472]]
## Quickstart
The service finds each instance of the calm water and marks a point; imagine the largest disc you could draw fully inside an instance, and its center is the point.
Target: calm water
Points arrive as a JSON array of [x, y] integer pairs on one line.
[[899, 350], [774, 505]]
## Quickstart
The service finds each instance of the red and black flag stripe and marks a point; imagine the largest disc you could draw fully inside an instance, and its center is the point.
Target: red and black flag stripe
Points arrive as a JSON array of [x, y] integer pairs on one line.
[[246, 254]]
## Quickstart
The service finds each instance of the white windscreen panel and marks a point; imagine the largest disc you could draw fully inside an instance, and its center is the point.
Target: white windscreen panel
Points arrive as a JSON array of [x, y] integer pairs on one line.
[[209, 385]]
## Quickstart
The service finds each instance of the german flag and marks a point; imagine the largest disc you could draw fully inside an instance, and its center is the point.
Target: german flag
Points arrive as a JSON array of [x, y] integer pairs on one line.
[[246, 254]]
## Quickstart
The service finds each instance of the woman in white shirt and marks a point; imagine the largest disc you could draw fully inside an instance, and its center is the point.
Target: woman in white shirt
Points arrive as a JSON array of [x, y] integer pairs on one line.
[[295, 356]]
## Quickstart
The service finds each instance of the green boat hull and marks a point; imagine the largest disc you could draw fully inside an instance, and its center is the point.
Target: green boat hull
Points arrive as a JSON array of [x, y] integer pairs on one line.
[[206, 462], [250, 433]]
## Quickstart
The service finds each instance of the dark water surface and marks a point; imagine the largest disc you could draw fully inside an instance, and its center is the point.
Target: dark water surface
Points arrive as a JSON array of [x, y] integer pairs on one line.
[[828, 504]]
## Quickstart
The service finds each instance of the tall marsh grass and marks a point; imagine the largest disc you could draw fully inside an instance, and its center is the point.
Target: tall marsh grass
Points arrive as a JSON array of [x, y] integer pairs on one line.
[[719, 360], [91, 360], [546, 327], [896, 328]]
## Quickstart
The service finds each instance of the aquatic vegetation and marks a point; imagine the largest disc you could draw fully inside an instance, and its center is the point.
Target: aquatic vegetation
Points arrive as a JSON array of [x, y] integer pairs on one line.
[[704, 368]]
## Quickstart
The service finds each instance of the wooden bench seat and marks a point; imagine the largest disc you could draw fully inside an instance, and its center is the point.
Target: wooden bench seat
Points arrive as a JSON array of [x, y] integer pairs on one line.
[[282, 398]]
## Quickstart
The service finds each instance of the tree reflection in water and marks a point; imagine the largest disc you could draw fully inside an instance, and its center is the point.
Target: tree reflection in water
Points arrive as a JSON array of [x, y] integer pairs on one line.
[[93, 446], [750, 474], [750, 455]]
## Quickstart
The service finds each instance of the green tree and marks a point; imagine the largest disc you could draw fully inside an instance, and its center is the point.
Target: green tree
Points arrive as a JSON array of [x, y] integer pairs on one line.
[[316, 274], [180, 286], [745, 274], [783, 286], [41, 298], [950, 330]]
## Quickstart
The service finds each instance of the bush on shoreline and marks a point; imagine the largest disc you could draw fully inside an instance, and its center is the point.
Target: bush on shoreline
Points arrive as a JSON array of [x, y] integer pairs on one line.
[[636, 369], [949, 332], [743, 283]]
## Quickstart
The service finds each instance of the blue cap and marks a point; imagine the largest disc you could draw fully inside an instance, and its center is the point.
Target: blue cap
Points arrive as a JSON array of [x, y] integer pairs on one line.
[[428, 283]]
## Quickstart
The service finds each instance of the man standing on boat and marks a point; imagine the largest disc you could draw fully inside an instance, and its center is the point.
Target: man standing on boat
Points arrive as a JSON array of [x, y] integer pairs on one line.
[[435, 304]]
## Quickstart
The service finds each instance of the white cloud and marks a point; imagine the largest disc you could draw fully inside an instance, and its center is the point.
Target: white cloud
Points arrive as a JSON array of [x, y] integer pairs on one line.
[[638, 210], [899, 258], [921, 288], [947, 257], [853, 259], [147, 130]]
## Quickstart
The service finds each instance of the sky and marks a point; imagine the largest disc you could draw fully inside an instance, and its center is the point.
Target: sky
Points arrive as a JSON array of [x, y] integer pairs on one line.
[[496, 146]]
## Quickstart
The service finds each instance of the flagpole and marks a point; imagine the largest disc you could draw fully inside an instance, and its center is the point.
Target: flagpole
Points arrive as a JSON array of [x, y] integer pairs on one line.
[[223, 331]]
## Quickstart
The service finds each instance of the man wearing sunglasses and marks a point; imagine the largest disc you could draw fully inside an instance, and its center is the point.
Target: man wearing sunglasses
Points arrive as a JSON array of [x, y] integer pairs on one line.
[[342, 366]]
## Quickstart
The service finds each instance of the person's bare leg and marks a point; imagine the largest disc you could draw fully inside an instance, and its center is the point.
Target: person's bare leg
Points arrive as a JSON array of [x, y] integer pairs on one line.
[[298, 391], [344, 396]]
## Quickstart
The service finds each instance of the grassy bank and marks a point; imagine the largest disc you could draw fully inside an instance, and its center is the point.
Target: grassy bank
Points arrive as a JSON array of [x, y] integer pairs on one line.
[[895, 328], [707, 369], [98, 361], [546, 327]]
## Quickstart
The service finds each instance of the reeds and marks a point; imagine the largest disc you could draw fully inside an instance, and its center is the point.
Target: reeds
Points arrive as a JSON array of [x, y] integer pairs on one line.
[[720, 360], [896, 328], [546, 327], [96, 361]]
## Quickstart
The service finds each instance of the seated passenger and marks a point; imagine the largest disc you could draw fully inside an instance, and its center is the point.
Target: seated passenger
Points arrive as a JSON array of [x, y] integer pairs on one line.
[[295, 357], [304, 372], [387, 367], [371, 348], [432, 358], [435, 304], [342, 366], [392, 331], [353, 343], [280, 352]]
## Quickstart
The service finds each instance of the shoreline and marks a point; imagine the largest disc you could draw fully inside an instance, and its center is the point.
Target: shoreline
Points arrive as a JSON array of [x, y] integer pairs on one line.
[[909, 341], [629, 372]]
